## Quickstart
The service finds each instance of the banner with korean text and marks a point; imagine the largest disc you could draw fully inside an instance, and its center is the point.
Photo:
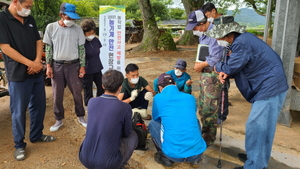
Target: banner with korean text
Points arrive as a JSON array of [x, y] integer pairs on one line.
[[112, 37]]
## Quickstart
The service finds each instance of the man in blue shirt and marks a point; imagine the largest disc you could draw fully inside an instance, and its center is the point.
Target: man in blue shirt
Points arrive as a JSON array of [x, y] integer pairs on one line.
[[182, 79], [210, 86], [110, 140], [175, 129], [260, 77]]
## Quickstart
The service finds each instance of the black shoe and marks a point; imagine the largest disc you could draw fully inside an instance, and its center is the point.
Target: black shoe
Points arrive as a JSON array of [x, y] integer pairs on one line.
[[195, 164], [239, 167], [242, 157], [163, 160]]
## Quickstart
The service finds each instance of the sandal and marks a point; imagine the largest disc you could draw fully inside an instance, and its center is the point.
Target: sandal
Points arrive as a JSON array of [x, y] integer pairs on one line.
[[20, 154], [45, 138]]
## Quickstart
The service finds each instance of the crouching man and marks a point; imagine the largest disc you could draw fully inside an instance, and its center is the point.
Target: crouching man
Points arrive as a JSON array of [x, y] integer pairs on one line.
[[110, 140], [175, 129]]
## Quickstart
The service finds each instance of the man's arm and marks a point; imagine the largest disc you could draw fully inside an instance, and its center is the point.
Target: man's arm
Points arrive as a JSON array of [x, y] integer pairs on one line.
[[49, 60], [127, 127], [120, 97], [39, 53], [15, 55], [150, 89], [81, 51]]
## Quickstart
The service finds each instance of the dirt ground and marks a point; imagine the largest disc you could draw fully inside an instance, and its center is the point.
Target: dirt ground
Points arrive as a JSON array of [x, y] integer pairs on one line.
[[63, 153]]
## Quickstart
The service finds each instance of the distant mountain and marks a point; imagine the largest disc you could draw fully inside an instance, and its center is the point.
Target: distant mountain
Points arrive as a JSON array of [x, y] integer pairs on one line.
[[248, 17]]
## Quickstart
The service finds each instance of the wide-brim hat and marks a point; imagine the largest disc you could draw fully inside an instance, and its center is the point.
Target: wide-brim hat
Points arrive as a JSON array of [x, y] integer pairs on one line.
[[221, 30]]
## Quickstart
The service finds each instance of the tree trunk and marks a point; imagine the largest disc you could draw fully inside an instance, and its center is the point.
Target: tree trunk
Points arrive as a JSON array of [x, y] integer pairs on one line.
[[151, 32], [188, 38]]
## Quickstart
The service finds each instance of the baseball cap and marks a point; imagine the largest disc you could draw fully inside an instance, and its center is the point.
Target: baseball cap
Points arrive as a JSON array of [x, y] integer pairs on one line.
[[180, 64], [165, 79], [69, 9], [193, 19]]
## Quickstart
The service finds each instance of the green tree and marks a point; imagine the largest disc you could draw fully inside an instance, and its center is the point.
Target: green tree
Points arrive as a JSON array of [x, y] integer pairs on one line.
[[83, 7], [45, 12], [177, 13]]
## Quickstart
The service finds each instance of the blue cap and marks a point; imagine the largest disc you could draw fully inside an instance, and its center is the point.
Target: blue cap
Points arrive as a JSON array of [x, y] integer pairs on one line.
[[69, 9], [194, 18]]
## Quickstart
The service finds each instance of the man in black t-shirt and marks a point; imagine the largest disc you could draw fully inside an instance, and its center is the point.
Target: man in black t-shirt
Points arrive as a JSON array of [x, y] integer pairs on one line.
[[136, 91], [22, 52]]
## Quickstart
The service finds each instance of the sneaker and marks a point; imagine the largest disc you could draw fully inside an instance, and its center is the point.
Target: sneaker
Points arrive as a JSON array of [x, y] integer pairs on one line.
[[82, 121], [195, 164], [163, 160], [56, 126], [242, 157], [20, 154]]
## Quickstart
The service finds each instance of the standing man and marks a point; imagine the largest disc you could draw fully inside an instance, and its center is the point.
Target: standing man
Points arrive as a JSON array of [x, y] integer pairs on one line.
[[136, 91], [210, 12], [210, 86], [22, 52], [110, 140], [175, 129], [65, 58], [260, 77]]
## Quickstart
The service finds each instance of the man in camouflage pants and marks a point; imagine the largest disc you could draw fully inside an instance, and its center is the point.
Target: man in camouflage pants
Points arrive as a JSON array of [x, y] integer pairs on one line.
[[210, 86]]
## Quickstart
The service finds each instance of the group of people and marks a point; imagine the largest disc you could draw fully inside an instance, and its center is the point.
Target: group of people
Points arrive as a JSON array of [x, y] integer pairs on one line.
[[72, 58]]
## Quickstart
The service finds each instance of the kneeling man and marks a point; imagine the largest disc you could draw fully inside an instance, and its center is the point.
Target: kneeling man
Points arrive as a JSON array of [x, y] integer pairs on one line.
[[110, 140], [175, 129]]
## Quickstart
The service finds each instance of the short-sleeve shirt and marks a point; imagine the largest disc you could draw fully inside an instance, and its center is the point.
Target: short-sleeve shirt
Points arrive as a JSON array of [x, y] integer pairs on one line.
[[65, 40], [142, 83], [22, 38], [92, 56]]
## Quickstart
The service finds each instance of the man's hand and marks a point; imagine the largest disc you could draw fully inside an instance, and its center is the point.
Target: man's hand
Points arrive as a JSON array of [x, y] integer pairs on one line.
[[134, 94], [49, 71], [222, 77], [198, 67], [35, 67], [81, 72], [189, 82], [148, 96]]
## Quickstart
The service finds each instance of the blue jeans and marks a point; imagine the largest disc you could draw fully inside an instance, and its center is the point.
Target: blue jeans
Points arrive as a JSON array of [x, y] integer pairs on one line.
[[29, 93], [260, 131], [154, 128]]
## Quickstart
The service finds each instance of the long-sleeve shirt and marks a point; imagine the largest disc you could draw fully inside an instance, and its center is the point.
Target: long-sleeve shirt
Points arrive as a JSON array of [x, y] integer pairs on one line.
[[256, 67], [180, 82], [180, 130], [216, 52], [109, 120]]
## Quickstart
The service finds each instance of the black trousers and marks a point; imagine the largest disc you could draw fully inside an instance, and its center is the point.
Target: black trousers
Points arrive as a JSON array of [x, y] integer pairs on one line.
[[87, 82]]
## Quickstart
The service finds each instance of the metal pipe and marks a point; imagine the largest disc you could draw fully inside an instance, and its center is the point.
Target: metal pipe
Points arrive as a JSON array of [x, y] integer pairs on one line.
[[268, 17]]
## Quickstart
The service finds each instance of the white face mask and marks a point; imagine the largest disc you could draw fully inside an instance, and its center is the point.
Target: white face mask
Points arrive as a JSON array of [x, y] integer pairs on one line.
[[222, 43], [69, 23], [90, 38], [178, 72], [24, 12], [198, 33], [211, 19], [134, 80]]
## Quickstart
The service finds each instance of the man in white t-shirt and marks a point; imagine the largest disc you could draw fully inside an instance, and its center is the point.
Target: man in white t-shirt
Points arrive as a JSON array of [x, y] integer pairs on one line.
[[65, 58]]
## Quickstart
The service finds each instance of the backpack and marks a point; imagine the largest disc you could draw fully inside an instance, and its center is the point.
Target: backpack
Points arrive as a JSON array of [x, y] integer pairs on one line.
[[139, 126]]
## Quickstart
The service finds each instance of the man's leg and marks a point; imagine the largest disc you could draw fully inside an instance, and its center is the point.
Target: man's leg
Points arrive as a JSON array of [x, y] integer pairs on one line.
[[19, 99], [58, 87], [128, 145], [260, 131], [87, 83], [75, 85], [209, 105], [37, 108], [98, 82], [139, 101]]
